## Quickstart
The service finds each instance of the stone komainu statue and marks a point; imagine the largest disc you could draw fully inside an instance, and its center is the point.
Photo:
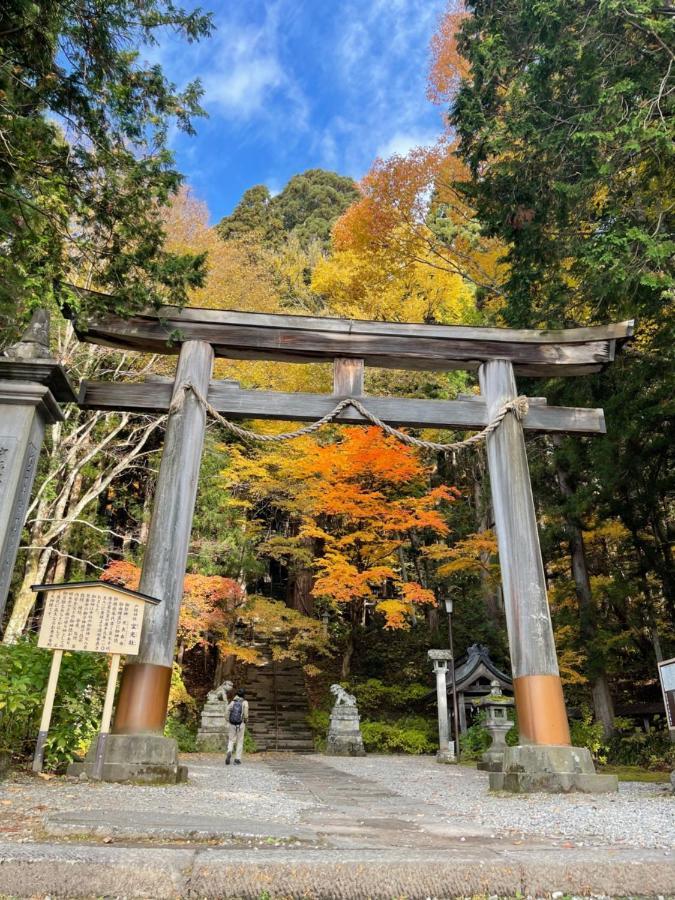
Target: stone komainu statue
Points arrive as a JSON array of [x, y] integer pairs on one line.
[[342, 698], [221, 692], [212, 735], [344, 735]]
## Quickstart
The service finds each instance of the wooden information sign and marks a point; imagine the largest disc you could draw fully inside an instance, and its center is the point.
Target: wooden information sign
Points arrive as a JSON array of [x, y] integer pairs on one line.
[[94, 617], [667, 676]]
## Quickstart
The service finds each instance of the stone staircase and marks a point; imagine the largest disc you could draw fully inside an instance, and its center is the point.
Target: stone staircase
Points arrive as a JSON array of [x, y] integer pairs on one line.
[[278, 707]]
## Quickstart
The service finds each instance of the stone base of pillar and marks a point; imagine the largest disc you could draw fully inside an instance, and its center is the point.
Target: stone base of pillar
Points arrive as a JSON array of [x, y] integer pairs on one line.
[[136, 758], [213, 733], [211, 741], [446, 756], [554, 770], [344, 735], [491, 761]]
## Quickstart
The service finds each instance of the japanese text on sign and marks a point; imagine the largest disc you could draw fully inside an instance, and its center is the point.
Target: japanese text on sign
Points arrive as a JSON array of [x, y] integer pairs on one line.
[[97, 619]]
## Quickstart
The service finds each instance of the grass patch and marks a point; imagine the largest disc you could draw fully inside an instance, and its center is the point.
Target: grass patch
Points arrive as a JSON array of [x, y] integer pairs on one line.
[[635, 773]]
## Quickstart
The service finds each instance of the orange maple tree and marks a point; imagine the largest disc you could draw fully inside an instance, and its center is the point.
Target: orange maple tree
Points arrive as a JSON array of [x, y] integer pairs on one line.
[[209, 607], [359, 501], [413, 213], [447, 66]]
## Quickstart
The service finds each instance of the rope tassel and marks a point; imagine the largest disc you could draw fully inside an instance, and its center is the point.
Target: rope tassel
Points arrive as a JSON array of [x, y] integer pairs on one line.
[[518, 406]]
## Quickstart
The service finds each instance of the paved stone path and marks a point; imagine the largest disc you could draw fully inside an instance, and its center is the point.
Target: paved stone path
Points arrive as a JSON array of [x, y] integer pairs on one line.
[[310, 826]]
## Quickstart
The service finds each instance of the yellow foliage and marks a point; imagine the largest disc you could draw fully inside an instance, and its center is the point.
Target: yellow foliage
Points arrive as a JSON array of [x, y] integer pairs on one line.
[[473, 555], [247, 655], [610, 531], [178, 693], [570, 661], [368, 283], [395, 613]]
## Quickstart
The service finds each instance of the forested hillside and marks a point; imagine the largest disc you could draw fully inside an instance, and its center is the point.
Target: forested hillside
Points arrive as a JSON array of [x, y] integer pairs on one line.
[[547, 201]]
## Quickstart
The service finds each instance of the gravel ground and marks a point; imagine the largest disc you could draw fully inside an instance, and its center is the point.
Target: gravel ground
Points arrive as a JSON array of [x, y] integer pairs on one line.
[[640, 815], [258, 790]]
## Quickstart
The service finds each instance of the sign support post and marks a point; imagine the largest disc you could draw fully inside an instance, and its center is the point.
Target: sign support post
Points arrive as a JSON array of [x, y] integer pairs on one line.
[[38, 758], [97, 771]]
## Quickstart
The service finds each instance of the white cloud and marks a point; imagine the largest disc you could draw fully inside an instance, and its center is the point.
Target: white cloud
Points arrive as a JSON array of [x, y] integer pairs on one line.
[[402, 142], [381, 60], [240, 67], [274, 186], [348, 82], [244, 67]]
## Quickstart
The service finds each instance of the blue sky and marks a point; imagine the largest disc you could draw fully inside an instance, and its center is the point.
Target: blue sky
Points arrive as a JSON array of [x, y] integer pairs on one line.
[[298, 84]]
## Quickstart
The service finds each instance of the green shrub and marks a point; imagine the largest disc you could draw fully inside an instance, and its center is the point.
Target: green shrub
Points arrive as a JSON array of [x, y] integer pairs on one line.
[[182, 720], [476, 739], [375, 699], [411, 735], [185, 733], [250, 745], [631, 746], [584, 732], [76, 718], [319, 720]]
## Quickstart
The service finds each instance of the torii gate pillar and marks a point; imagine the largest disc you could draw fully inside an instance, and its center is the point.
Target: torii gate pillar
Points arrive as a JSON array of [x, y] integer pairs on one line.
[[544, 760], [137, 749]]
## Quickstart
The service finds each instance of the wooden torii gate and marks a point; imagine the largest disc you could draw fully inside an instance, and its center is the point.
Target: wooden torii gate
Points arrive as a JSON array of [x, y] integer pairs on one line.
[[498, 355]]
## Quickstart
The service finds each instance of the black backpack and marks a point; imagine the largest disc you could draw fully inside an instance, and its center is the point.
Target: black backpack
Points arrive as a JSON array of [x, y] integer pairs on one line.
[[237, 712]]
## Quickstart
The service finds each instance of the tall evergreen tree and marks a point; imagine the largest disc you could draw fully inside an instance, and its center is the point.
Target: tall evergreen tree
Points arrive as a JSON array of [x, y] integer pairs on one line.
[[84, 161], [566, 123], [306, 208], [564, 115]]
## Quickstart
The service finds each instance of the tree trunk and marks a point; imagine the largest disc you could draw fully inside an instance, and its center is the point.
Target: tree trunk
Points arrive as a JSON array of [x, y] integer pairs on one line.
[[346, 669], [36, 568], [603, 705], [61, 569], [433, 619], [302, 582]]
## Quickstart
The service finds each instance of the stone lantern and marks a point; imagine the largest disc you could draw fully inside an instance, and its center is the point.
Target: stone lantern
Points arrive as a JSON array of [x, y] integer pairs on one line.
[[498, 725]]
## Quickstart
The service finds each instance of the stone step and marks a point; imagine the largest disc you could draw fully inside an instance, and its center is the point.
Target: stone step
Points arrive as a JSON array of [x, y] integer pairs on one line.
[[278, 705]]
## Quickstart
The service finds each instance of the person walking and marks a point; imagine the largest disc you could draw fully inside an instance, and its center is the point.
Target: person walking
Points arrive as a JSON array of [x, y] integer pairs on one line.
[[237, 716]]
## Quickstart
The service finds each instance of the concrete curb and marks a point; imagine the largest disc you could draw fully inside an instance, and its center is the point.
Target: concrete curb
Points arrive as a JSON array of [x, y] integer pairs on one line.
[[87, 871]]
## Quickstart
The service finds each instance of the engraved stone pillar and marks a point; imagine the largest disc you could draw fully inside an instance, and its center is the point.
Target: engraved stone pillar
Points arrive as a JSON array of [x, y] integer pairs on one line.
[[30, 384], [446, 748]]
